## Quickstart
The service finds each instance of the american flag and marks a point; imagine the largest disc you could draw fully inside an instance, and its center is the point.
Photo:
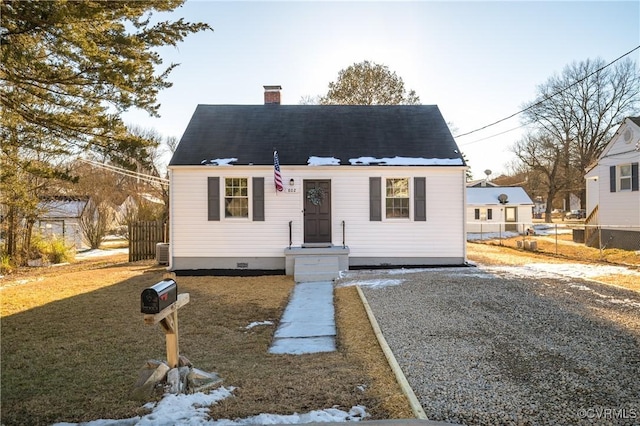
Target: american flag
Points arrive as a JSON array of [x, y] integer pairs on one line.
[[277, 177]]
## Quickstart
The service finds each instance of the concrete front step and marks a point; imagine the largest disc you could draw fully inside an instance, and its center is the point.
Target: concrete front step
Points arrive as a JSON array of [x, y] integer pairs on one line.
[[316, 268]]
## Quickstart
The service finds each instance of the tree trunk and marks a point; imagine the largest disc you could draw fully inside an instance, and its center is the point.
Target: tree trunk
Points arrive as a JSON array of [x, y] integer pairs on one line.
[[551, 193]]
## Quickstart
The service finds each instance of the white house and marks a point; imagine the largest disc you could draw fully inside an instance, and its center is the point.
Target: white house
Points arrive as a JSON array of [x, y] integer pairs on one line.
[[60, 217], [613, 198], [374, 185], [498, 209]]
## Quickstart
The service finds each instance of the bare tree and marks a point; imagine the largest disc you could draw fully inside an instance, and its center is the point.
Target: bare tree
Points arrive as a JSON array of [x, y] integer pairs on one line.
[[543, 157], [309, 100], [579, 110], [96, 221]]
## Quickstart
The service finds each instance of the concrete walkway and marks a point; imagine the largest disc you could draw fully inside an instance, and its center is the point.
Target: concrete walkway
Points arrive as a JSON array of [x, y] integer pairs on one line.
[[308, 323]]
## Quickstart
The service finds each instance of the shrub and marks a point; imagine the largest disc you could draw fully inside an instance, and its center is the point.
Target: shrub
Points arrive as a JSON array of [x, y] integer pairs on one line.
[[59, 251], [54, 249], [6, 267]]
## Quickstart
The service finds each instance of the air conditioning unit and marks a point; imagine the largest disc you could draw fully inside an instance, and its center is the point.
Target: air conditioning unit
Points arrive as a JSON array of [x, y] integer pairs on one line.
[[162, 253]]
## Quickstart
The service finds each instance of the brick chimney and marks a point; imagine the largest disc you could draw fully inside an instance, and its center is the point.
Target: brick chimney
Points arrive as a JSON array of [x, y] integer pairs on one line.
[[272, 95]]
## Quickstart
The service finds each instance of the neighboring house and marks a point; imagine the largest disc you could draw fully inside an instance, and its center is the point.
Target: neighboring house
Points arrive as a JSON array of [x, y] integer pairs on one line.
[[60, 217], [374, 185], [613, 198], [498, 209]]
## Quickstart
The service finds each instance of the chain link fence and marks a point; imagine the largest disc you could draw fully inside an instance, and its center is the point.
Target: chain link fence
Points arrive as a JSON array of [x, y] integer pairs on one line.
[[573, 240]]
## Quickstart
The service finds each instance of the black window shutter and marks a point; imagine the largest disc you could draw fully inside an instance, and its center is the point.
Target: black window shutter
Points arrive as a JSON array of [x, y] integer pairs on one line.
[[213, 198], [489, 214], [420, 199], [258, 199], [375, 199], [476, 214], [634, 176], [612, 179]]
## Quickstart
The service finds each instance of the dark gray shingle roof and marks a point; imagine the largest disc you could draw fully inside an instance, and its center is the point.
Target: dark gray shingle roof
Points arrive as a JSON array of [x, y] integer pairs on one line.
[[251, 132]]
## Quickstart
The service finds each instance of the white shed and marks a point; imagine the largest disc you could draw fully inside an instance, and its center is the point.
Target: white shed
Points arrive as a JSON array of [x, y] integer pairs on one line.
[[498, 209], [60, 217]]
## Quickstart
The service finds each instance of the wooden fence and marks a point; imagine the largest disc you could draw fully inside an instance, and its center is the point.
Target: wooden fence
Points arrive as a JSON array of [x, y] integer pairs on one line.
[[143, 237]]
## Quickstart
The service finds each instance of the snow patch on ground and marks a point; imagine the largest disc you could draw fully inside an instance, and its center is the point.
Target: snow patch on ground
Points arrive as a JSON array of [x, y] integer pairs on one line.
[[561, 270], [191, 410], [371, 283], [258, 323]]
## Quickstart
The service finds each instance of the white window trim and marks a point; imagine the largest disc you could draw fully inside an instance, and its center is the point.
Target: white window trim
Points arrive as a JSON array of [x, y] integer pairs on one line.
[[619, 178], [223, 200], [384, 199]]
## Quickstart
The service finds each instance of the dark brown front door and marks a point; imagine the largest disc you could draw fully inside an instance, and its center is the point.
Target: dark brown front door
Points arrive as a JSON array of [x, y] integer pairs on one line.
[[317, 211]]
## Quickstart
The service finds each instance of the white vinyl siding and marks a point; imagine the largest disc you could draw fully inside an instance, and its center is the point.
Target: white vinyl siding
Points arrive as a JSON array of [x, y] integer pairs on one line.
[[618, 208], [442, 235], [495, 218]]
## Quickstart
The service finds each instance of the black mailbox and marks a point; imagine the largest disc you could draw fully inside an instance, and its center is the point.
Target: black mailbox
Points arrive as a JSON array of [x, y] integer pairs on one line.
[[159, 296]]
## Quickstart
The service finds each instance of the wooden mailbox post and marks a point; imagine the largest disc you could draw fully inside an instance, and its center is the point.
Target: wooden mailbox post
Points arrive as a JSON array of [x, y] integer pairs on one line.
[[167, 317]]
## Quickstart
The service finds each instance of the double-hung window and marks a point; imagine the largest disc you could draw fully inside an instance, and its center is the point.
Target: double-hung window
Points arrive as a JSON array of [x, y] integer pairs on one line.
[[624, 177], [397, 198], [236, 197]]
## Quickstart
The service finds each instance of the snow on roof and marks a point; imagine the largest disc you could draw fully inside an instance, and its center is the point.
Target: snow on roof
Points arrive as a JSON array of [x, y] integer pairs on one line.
[[405, 161], [360, 161], [323, 161], [219, 162], [489, 195]]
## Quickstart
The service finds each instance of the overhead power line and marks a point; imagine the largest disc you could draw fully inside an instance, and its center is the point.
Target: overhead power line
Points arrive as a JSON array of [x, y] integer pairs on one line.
[[548, 97], [493, 136], [136, 175]]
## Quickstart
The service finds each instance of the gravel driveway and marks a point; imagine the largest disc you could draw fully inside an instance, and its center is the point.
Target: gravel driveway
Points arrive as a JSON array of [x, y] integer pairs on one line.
[[489, 346]]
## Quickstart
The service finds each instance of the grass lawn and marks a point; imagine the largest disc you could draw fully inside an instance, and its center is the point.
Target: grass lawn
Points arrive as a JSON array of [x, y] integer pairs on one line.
[[504, 251], [73, 341]]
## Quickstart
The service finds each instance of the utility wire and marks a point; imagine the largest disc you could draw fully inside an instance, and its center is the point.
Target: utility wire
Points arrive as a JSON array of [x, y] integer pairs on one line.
[[128, 173], [492, 136], [548, 97]]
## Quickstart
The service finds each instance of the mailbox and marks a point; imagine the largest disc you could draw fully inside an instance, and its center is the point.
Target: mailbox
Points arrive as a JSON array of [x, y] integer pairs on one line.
[[157, 297]]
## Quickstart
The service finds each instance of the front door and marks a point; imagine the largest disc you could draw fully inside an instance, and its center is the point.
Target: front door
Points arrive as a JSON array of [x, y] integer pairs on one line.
[[511, 219], [317, 211]]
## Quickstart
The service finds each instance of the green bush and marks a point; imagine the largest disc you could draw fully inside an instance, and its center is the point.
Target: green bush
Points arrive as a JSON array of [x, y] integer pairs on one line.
[[54, 249], [59, 251], [6, 267]]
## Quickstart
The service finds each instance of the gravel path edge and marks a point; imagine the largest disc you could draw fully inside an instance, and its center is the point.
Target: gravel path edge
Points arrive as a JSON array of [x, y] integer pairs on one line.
[[416, 407]]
